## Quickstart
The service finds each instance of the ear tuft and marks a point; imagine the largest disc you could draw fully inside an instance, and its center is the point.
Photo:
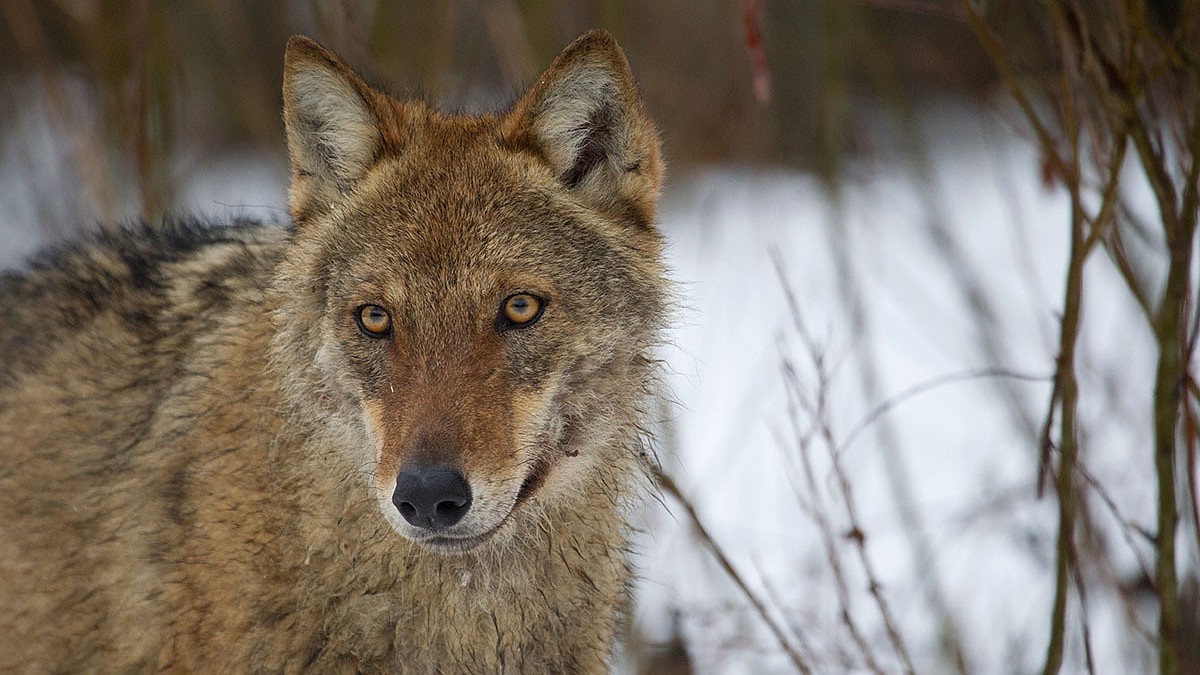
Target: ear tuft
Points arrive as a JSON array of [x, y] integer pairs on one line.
[[585, 118], [333, 130]]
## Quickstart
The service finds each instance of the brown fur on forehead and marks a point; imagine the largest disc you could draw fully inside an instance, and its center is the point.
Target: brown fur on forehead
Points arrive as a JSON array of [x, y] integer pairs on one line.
[[480, 228]]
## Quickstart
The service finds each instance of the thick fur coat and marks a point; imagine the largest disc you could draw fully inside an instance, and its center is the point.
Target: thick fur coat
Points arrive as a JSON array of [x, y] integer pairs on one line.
[[202, 426]]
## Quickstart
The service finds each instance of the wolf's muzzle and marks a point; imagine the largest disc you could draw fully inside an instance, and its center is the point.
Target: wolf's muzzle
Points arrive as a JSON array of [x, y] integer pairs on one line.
[[432, 497]]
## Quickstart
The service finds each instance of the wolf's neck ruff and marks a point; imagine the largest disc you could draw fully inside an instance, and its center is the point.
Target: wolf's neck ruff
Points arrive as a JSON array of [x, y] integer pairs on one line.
[[398, 437]]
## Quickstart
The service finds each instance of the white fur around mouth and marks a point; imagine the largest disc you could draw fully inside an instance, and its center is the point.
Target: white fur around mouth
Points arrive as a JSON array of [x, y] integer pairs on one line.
[[444, 544]]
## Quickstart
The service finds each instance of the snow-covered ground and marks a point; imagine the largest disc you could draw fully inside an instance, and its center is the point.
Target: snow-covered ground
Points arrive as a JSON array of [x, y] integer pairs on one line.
[[903, 280]]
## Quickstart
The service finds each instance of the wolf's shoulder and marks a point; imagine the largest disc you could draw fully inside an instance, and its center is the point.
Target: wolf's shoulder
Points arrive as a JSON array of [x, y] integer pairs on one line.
[[133, 283], [145, 257], [142, 246]]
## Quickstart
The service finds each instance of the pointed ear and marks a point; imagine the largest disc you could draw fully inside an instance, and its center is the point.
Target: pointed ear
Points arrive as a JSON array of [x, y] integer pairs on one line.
[[585, 118], [333, 127]]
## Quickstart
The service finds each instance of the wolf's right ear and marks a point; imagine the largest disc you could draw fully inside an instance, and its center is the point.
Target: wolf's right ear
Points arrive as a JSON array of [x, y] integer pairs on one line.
[[333, 127]]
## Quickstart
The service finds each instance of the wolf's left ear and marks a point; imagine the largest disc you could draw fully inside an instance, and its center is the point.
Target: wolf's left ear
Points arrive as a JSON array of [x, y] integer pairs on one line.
[[585, 118], [333, 129]]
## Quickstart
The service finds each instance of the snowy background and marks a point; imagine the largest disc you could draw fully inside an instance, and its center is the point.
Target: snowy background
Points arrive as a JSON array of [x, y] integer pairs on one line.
[[939, 294], [948, 283], [859, 371]]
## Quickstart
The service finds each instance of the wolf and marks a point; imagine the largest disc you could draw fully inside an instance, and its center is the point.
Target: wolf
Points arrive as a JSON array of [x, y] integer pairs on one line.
[[400, 433]]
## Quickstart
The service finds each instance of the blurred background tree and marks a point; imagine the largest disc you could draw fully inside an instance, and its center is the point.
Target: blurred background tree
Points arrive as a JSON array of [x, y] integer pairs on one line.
[[145, 91], [109, 110]]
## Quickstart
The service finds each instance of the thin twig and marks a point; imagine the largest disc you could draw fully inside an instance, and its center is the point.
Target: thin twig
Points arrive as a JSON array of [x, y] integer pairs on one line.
[[1192, 441], [819, 516], [1065, 564], [930, 385], [1081, 590], [668, 485], [995, 50], [1114, 246], [820, 416]]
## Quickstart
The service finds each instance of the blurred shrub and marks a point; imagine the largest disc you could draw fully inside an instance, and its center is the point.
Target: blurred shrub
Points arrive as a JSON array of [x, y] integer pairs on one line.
[[159, 77]]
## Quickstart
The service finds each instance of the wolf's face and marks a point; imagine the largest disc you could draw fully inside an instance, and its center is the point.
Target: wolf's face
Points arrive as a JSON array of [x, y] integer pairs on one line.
[[480, 293]]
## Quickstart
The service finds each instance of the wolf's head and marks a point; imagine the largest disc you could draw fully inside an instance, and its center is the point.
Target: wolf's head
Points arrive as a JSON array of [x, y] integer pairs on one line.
[[469, 302]]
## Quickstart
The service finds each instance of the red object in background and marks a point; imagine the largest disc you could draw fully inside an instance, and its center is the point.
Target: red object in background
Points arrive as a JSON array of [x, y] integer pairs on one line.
[[758, 56]]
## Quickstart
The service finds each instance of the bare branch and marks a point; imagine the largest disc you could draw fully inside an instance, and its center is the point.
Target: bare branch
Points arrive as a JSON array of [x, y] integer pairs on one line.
[[668, 485]]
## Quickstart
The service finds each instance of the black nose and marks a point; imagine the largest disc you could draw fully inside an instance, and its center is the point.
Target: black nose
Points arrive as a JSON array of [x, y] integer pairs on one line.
[[432, 497]]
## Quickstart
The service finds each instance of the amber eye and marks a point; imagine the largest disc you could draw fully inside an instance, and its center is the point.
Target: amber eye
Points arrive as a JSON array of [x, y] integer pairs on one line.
[[520, 310], [374, 321]]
